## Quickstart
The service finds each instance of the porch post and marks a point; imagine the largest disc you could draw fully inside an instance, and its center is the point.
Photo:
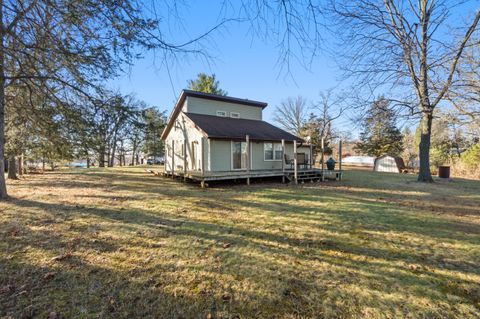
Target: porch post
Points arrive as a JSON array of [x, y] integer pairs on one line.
[[203, 156], [323, 160], [340, 159], [247, 138], [312, 162], [283, 161], [173, 159], [185, 160], [295, 168]]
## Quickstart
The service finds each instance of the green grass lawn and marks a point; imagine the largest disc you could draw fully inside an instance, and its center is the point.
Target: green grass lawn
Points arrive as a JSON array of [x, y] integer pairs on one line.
[[119, 243]]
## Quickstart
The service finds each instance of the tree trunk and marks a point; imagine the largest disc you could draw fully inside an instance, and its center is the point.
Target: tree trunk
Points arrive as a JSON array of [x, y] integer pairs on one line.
[[88, 162], [12, 169], [134, 150], [424, 174], [20, 165], [52, 166], [3, 185], [43, 164], [101, 158], [112, 155]]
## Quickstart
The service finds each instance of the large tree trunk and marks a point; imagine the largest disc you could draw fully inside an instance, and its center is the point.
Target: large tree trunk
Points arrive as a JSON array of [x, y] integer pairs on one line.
[[112, 155], [424, 174], [101, 158], [12, 169], [20, 165], [88, 162], [134, 150]]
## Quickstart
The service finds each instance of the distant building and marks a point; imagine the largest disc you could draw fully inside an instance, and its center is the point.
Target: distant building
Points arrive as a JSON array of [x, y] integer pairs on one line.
[[389, 163]]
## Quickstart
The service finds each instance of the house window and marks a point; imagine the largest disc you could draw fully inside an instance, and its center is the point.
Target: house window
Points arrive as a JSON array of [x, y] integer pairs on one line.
[[221, 113], [272, 151], [235, 115]]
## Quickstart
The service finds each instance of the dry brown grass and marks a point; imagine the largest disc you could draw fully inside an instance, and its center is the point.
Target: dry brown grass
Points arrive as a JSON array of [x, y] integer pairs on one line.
[[119, 243]]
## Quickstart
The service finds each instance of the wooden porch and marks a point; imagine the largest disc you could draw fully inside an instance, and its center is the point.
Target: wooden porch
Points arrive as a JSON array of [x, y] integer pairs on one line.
[[298, 169], [287, 175]]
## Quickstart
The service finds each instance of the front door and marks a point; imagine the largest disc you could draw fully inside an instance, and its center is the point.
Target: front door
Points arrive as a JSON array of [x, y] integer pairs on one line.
[[239, 155]]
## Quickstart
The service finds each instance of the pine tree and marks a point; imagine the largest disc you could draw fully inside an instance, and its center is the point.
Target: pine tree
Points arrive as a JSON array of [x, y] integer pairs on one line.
[[380, 134], [207, 84]]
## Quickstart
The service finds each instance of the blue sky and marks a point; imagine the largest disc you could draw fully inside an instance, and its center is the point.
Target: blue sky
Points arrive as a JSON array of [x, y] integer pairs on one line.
[[245, 66]]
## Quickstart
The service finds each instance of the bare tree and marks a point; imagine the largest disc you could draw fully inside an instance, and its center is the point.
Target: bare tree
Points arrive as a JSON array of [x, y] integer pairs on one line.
[[464, 94], [395, 44], [292, 114], [294, 26], [331, 108], [53, 46]]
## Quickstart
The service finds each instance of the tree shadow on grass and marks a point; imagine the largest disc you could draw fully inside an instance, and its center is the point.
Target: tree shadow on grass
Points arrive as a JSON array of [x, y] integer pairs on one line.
[[340, 262], [376, 267]]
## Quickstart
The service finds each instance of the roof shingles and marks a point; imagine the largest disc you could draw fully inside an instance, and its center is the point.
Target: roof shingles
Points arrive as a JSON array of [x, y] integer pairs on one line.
[[230, 128]]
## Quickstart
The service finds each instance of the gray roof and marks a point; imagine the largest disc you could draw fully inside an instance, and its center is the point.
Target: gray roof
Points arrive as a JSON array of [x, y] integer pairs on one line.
[[229, 128]]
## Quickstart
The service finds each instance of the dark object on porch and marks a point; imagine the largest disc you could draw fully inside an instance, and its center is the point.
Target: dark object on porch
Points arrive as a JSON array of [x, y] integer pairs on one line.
[[302, 160], [288, 160], [331, 164], [444, 171]]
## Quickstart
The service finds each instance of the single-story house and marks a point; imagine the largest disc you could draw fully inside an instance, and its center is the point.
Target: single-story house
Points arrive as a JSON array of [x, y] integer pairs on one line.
[[214, 135]]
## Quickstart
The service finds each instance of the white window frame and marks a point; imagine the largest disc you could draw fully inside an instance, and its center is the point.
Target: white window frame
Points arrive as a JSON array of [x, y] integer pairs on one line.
[[222, 113], [234, 115], [274, 159]]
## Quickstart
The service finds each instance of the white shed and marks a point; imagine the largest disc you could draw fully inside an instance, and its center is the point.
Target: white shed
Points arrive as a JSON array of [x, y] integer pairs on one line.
[[389, 163]]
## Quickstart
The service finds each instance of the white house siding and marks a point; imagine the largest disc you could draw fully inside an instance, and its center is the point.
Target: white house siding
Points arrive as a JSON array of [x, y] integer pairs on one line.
[[184, 131], [210, 107]]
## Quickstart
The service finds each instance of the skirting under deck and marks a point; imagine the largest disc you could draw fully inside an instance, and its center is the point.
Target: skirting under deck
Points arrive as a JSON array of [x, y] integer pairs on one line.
[[289, 174]]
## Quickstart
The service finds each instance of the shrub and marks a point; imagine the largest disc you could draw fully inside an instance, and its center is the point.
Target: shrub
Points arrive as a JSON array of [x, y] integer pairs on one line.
[[471, 157]]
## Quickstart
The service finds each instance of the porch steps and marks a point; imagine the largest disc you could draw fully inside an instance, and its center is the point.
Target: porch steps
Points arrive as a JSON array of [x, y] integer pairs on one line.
[[314, 175]]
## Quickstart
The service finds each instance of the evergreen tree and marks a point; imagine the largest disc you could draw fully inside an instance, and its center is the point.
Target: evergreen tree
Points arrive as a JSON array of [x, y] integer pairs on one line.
[[207, 84], [380, 135], [315, 128], [154, 123]]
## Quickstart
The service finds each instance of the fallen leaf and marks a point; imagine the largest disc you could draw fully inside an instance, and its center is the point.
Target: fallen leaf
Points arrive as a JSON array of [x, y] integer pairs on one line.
[[49, 275], [61, 257]]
